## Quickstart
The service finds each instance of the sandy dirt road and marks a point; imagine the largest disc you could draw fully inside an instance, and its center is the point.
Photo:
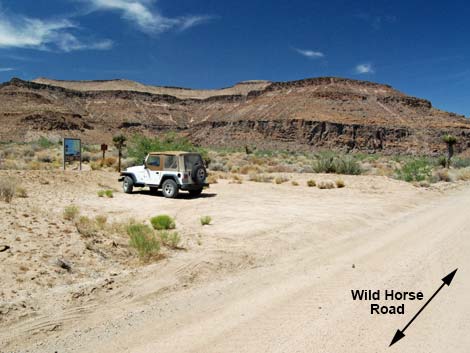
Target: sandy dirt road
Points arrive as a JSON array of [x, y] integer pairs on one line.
[[300, 300]]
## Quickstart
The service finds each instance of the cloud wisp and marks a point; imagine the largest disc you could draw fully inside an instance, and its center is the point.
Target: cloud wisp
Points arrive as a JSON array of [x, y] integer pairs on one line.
[[32, 33], [145, 16], [363, 69], [311, 54]]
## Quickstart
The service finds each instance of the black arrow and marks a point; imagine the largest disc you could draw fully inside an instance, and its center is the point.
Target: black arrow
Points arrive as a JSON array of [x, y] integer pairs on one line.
[[401, 333]]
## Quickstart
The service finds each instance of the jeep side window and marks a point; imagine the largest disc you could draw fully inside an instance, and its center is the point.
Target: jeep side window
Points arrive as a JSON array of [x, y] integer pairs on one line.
[[154, 161], [171, 162]]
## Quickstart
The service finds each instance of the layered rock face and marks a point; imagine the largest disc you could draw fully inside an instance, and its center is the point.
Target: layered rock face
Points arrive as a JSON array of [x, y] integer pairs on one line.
[[299, 115]]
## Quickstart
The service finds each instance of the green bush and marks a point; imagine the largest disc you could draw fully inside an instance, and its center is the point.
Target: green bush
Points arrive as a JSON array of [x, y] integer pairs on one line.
[[109, 193], [162, 222], [417, 169], [140, 146], [170, 239], [71, 212], [206, 220], [44, 142], [143, 240], [460, 162], [311, 183], [101, 193], [329, 162]]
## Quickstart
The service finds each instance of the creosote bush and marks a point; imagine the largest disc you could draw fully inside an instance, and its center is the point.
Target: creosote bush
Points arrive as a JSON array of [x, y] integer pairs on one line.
[[71, 212], [311, 183], [206, 220], [143, 240], [162, 222]]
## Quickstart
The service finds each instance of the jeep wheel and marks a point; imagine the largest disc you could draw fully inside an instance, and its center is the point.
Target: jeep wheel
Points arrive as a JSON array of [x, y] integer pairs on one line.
[[170, 188], [127, 185], [195, 193], [199, 174]]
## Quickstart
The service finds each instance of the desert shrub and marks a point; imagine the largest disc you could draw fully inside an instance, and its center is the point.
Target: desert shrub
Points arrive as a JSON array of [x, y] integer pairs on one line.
[[101, 193], [324, 163], [327, 184], [7, 189], [217, 166], [261, 178], [86, 157], [86, 226], [294, 183], [71, 212], [21, 192], [311, 183], [143, 240], [347, 165], [281, 179], [442, 161], [460, 162], [417, 169], [44, 142], [443, 175], [109, 161], [140, 146], [44, 158], [109, 193], [162, 222], [250, 168], [424, 184], [464, 174], [206, 220], [96, 165], [170, 239], [101, 221], [340, 183], [28, 152], [212, 178], [237, 179]]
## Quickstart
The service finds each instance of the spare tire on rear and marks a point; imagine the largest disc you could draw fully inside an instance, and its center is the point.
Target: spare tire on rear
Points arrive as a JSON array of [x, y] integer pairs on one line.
[[199, 174]]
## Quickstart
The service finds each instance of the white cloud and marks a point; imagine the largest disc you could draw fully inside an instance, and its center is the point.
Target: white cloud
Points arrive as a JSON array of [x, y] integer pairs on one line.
[[24, 32], [310, 53], [6, 69], [145, 16], [364, 69]]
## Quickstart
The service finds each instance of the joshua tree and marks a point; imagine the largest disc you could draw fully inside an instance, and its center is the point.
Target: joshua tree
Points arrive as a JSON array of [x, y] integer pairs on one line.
[[119, 142], [450, 141]]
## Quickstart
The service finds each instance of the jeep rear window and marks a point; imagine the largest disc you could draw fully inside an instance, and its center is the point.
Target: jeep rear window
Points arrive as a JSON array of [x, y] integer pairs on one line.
[[190, 160]]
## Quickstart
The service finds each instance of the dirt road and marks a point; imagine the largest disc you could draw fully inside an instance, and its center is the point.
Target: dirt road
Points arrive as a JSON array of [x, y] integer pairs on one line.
[[300, 300]]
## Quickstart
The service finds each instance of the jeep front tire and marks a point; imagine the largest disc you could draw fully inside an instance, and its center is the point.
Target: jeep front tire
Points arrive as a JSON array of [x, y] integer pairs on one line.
[[128, 185], [170, 188]]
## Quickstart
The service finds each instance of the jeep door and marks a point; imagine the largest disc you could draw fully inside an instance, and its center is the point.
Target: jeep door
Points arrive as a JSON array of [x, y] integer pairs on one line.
[[154, 168]]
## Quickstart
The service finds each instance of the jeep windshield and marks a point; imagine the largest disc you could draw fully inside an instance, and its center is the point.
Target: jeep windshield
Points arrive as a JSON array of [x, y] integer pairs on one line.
[[190, 160]]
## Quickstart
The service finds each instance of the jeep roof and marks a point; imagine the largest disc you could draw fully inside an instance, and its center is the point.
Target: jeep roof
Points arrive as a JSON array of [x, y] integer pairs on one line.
[[176, 153]]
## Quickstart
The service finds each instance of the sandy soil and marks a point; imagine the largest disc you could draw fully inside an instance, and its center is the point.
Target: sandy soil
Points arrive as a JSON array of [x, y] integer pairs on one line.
[[273, 273]]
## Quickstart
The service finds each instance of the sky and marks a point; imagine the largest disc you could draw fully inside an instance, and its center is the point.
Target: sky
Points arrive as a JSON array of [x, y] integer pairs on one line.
[[421, 48]]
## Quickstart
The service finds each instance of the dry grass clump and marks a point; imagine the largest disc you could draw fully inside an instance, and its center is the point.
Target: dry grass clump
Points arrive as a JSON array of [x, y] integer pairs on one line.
[[101, 221], [169, 239], [206, 220], [261, 178], [109, 161], [464, 174], [249, 169], [236, 179], [86, 226], [7, 189], [340, 183], [443, 175], [71, 212], [212, 178], [327, 184], [21, 192], [311, 183], [281, 179], [294, 183]]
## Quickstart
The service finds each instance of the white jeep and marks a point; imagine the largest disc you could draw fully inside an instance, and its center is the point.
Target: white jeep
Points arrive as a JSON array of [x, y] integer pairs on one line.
[[168, 171]]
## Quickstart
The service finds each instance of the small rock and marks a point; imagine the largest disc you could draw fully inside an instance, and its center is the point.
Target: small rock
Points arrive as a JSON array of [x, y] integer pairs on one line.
[[353, 266], [64, 264]]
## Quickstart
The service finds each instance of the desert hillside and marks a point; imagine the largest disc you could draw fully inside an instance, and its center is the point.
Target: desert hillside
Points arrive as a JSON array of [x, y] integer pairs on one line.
[[312, 113]]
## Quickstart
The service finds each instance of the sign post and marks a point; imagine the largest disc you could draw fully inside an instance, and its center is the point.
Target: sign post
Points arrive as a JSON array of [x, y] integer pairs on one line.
[[72, 151], [104, 148]]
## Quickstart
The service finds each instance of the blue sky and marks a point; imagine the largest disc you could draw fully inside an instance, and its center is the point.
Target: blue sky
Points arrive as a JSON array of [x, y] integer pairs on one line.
[[420, 47]]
